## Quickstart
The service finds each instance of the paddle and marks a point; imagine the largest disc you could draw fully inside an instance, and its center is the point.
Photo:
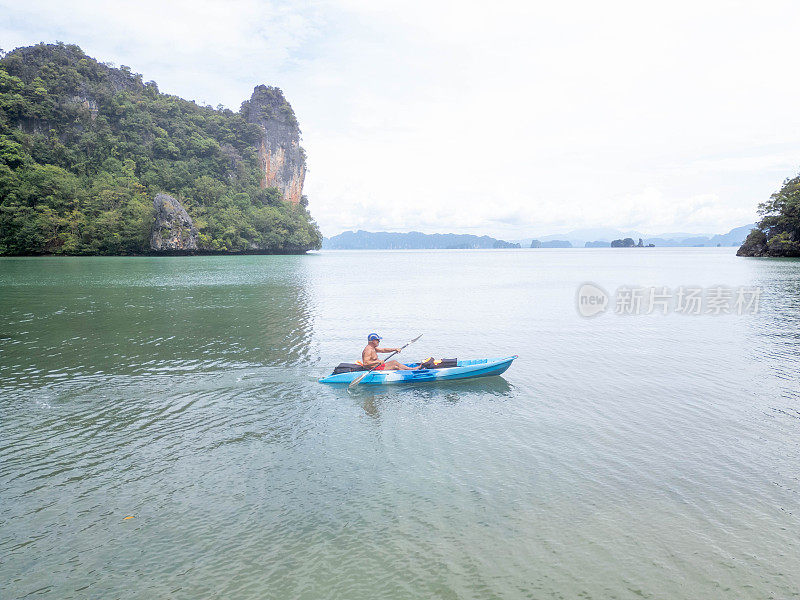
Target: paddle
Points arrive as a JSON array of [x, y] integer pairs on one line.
[[356, 381]]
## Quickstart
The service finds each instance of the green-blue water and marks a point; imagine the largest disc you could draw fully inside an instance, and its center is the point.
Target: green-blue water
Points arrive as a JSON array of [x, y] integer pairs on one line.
[[619, 457]]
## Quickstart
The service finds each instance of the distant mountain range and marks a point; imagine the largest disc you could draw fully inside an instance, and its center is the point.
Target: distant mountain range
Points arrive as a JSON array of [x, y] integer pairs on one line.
[[590, 238], [414, 240]]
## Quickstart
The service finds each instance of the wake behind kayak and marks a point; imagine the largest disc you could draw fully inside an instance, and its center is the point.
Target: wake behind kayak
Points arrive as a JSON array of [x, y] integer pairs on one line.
[[463, 369]]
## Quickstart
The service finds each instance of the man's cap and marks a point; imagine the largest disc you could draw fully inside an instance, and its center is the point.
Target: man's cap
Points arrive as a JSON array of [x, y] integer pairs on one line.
[[373, 336]]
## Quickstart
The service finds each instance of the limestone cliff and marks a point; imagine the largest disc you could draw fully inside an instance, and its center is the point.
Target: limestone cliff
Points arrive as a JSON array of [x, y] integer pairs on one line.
[[283, 161], [85, 147], [173, 229]]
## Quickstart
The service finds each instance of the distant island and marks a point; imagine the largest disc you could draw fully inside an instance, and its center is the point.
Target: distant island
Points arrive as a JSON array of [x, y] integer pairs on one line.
[[607, 238], [414, 240], [623, 243], [777, 234], [95, 161]]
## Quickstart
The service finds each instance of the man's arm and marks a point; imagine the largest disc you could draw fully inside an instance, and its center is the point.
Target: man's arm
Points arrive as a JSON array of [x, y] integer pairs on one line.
[[384, 350]]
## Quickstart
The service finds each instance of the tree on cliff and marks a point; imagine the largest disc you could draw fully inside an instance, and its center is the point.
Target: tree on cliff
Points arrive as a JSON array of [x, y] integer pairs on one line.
[[85, 147], [778, 231]]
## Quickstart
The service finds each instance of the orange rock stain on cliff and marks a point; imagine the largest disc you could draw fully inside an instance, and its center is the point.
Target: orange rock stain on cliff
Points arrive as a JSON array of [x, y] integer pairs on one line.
[[272, 165]]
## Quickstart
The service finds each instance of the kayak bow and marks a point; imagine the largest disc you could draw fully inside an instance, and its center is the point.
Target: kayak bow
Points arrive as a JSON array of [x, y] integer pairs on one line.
[[465, 369]]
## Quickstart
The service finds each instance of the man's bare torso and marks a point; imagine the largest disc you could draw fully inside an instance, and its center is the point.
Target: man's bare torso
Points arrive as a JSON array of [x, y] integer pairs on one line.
[[369, 357]]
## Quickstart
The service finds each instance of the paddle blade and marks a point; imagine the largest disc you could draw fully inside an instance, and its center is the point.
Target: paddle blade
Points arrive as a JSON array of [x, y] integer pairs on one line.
[[358, 379]]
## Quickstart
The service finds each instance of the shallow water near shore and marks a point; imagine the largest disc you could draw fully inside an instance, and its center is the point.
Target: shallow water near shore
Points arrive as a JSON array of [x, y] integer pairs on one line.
[[649, 456]]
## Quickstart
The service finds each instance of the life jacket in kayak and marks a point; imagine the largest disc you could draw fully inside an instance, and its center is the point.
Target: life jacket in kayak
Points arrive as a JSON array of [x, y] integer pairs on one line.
[[441, 363]]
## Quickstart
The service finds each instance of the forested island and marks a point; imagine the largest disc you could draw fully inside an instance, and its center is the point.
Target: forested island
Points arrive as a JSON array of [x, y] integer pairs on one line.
[[95, 161], [778, 231]]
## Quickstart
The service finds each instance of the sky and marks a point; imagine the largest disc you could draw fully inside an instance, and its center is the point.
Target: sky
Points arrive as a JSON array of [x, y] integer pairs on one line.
[[512, 119]]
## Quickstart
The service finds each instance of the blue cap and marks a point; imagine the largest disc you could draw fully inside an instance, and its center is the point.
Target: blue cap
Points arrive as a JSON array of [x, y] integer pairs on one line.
[[373, 336]]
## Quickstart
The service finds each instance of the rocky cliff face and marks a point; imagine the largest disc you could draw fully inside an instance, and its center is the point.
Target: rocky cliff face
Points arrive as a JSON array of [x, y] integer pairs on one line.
[[173, 229], [759, 244], [754, 245], [283, 161]]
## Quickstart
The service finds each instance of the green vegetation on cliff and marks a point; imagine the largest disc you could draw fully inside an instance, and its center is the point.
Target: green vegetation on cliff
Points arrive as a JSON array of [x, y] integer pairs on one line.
[[778, 232], [84, 148]]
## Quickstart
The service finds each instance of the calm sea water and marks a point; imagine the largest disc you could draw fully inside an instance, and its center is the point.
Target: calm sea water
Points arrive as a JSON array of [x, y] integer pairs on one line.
[[619, 457]]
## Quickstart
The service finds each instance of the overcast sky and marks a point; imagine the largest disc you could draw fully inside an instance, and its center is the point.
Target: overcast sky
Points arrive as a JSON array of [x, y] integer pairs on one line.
[[512, 119]]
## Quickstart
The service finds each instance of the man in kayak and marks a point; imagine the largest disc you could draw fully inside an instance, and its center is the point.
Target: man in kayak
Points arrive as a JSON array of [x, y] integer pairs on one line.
[[369, 356]]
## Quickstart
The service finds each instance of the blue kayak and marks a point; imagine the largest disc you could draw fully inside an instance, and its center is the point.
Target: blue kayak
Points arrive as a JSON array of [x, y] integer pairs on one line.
[[464, 369]]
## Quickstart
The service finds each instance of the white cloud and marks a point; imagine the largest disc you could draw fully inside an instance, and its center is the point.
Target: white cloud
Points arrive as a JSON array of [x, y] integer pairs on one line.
[[509, 118]]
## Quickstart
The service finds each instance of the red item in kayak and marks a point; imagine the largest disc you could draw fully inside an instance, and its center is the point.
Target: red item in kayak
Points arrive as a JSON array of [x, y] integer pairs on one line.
[[380, 367]]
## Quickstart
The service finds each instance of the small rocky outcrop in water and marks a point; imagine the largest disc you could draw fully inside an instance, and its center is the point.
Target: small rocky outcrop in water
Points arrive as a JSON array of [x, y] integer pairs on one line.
[[173, 229]]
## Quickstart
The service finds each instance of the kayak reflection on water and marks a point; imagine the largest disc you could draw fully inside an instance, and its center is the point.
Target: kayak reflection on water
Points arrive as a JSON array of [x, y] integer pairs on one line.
[[375, 399]]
